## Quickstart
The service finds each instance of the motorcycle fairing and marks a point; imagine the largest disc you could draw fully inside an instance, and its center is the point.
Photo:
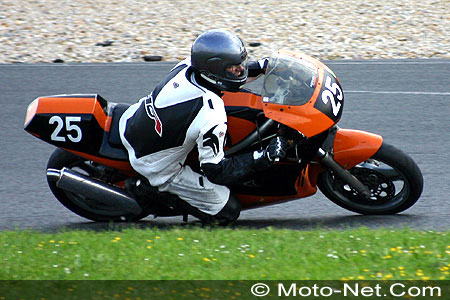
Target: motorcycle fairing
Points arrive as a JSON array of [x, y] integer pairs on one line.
[[243, 98], [301, 186], [243, 109], [70, 121], [123, 166], [238, 129], [309, 116], [79, 123], [352, 147], [277, 180]]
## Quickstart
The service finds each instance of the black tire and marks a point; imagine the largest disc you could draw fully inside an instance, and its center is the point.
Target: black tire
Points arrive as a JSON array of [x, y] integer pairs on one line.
[[394, 179], [78, 204]]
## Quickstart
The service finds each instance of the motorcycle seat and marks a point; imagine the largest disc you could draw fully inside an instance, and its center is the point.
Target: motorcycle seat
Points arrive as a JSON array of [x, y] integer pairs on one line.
[[114, 137]]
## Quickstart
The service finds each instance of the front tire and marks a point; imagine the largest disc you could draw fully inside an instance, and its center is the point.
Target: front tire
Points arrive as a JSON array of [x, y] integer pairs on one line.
[[82, 206], [394, 179]]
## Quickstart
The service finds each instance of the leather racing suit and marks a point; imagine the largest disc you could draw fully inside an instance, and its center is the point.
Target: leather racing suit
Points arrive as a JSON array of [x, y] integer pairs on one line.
[[183, 112]]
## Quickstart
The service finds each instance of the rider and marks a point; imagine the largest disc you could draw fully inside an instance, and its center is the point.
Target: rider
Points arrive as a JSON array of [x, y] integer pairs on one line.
[[186, 110]]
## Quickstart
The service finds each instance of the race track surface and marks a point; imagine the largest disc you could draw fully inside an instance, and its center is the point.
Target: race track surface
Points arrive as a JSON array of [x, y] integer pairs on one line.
[[405, 101]]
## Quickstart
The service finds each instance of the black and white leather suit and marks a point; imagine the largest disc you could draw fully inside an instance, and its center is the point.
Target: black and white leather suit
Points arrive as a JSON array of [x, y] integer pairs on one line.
[[181, 113]]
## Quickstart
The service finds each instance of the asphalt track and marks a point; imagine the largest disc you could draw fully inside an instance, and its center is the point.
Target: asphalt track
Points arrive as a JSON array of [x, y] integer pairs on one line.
[[406, 101]]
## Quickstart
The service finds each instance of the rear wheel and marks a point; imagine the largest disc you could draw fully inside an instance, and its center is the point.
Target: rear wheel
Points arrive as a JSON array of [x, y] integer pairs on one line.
[[79, 204], [394, 180]]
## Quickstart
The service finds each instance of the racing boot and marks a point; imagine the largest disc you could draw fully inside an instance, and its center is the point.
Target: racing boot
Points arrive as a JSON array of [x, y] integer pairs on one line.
[[140, 189], [229, 213], [149, 198]]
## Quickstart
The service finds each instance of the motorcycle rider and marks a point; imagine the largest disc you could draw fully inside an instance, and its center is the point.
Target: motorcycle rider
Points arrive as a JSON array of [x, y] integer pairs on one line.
[[184, 111]]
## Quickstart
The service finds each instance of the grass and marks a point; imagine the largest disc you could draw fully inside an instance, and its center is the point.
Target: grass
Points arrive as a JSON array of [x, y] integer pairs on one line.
[[226, 254]]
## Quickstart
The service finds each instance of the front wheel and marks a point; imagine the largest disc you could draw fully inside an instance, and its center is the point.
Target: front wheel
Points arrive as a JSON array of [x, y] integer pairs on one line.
[[394, 179]]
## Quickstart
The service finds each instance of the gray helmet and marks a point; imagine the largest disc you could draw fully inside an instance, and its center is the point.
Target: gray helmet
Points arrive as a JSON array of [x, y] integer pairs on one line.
[[215, 50]]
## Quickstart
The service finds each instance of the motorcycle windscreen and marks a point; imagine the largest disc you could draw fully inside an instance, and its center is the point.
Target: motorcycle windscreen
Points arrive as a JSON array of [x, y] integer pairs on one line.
[[293, 83]]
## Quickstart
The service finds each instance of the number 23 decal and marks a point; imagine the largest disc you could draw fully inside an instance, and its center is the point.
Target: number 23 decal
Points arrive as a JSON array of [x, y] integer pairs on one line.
[[333, 93], [69, 127]]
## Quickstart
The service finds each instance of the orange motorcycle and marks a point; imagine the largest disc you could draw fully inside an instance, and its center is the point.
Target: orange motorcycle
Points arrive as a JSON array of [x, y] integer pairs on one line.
[[301, 99]]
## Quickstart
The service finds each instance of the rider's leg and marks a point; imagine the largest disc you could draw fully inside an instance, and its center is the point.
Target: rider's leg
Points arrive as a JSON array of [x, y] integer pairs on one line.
[[209, 202], [192, 194]]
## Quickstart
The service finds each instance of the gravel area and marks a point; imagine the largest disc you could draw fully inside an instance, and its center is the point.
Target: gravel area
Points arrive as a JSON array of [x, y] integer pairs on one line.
[[36, 31]]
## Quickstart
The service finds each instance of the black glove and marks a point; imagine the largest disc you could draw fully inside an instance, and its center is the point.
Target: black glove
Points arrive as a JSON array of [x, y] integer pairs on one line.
[[277, 148], [263, 62], [257, 67]]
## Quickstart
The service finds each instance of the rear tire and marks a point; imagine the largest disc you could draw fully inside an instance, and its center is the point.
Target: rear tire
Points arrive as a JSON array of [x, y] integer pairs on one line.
[[79, 204], [394, 179]]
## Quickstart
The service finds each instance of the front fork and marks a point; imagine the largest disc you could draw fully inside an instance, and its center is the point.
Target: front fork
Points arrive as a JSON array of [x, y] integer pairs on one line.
[[344, 149], [328, 161]]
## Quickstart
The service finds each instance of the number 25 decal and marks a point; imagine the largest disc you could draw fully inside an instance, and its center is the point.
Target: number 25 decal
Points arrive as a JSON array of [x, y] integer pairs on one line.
[[332, 93], [69, 127]]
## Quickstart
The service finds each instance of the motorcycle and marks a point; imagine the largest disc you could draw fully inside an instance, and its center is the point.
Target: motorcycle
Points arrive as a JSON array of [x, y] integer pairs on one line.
[[301, 99]]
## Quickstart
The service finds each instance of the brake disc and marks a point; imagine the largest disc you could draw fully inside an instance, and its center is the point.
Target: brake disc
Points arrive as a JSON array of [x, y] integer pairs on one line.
[[382, 189]]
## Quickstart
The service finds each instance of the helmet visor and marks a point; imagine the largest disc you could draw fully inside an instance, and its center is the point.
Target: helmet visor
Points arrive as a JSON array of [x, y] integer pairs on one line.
[[237, 72]]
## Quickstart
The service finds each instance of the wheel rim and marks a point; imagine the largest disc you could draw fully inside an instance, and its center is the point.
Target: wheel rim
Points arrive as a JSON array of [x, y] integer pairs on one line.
[[388, 187]]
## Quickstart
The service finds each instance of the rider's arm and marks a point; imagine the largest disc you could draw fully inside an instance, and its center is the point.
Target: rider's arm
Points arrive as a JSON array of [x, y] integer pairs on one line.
[[240, 167], [210, 143], [236, 168], [230, 170]]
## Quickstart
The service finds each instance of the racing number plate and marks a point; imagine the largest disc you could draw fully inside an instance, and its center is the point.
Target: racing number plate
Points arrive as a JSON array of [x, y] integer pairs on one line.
[[331, 98]]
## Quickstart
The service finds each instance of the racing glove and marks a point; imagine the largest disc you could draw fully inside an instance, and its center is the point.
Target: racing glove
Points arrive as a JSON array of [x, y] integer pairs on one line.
[[277, 148], [256, 68], [275, 151]]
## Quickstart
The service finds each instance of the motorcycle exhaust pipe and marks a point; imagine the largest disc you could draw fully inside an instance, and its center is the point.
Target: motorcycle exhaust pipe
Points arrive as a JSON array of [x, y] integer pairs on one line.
[[328, 161], [114, 198]]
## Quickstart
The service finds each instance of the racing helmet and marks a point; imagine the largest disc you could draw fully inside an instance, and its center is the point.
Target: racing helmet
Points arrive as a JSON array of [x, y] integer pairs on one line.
[[213, 52]]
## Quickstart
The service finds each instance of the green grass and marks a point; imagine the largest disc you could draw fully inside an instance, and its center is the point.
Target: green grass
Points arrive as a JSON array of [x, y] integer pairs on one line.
[[226, 254]]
